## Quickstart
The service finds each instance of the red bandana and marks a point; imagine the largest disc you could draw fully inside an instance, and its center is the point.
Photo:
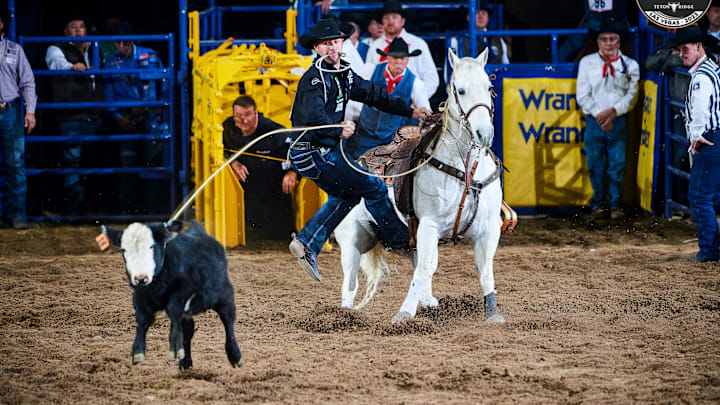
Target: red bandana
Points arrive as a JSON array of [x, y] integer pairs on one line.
[[608, 65], [387, 48], [391, 83]]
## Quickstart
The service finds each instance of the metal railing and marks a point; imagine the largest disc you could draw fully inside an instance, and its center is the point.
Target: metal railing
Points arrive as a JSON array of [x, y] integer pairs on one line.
[[166, 101]]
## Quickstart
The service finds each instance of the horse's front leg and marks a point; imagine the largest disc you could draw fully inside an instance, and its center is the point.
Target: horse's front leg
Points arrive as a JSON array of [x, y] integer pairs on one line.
[[426, 263], [485, 247]]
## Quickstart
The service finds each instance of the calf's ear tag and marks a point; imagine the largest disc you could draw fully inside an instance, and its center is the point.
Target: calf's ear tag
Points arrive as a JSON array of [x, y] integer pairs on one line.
[[102, 241]]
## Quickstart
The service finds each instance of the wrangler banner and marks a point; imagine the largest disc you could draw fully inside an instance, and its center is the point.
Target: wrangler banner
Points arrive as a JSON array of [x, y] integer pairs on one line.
[[649, 149], [542, 143]]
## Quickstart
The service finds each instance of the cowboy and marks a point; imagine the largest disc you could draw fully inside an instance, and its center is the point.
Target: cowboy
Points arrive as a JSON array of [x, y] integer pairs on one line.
[[76, 56], [499, 52], [376, 127], [393, 19], [702, 123], [376, 30], [322, 94], [607, 88]]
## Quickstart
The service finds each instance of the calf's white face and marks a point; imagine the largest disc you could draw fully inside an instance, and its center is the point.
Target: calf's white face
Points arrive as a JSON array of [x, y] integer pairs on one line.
[[138, 247]]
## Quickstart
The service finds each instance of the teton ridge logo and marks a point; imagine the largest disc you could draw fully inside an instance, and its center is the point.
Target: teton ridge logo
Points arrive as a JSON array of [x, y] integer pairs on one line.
[[674, 14]]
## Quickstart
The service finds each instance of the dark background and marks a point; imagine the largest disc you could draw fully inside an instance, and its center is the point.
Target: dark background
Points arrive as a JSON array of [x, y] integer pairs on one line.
[[46, 17]]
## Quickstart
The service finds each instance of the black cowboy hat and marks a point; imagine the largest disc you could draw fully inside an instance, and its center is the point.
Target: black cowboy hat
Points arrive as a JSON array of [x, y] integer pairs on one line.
[[392, 6], [326, 28], [610, 25], [483, 5], [399, 48], [5, 17], [693, 34]]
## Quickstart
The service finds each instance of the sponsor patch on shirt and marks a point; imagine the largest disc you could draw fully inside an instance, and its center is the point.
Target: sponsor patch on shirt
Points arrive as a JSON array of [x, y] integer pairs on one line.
[[314, 81], [696, 86], [144, 56]]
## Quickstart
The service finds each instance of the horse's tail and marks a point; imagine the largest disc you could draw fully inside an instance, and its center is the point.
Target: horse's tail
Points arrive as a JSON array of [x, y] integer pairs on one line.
[[375, 268]]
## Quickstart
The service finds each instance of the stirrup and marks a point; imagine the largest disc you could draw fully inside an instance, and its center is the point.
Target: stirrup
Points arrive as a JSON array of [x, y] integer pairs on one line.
[[508, 216]]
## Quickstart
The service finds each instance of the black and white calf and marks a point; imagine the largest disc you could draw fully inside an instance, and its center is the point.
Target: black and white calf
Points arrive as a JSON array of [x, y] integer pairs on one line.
[[183, 274]]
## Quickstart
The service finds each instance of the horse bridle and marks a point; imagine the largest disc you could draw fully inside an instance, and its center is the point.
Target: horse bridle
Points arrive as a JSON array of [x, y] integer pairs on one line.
[[464, 123]]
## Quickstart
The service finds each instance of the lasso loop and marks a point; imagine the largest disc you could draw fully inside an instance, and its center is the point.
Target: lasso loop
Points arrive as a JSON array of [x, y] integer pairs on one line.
[[188, 200]]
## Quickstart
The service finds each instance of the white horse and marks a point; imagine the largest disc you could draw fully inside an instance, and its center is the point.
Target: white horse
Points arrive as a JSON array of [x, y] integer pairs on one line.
[[466, 138]]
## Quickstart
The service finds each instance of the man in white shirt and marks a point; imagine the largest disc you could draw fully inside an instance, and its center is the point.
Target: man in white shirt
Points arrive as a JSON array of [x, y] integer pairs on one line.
[[702, 123], [607, 88], [376, 127], [394, 23]]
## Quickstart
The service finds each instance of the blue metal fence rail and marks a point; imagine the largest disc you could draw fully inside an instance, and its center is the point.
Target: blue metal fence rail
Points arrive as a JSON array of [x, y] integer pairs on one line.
[[167, 171], [211, 25]]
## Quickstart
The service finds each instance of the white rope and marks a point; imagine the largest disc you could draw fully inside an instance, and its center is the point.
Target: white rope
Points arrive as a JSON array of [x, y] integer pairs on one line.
[[188, 200]]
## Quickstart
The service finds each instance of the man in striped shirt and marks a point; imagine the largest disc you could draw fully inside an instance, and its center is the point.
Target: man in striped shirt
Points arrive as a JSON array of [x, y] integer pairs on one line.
[[702, 122]]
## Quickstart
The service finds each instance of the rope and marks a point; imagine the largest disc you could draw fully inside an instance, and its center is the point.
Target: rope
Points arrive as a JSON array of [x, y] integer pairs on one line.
[[258, 156], [188, 200]]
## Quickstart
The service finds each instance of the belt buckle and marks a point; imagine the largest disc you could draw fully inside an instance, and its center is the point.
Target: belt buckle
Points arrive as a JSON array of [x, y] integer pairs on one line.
[[4, 106]]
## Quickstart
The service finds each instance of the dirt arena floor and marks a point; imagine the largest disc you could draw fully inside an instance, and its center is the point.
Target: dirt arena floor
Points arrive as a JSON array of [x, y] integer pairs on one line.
[[596, 313]]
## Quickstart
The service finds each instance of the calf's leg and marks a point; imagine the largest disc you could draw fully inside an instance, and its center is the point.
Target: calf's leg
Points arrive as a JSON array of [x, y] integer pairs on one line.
[[175, 310], [143, 320], [226, 309], [188, 327]]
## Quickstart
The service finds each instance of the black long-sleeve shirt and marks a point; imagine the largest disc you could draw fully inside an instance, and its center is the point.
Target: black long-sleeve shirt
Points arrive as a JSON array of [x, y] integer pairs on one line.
[[322, 97]]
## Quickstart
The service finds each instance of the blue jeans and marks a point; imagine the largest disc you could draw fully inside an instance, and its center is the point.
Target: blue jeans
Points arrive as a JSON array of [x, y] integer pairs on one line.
[[606, 150], [704, 191], [72, 152], [13, 160], [345, 187]]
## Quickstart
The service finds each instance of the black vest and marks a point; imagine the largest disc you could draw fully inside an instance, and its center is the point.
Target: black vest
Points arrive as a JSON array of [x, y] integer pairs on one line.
[[77, 88]]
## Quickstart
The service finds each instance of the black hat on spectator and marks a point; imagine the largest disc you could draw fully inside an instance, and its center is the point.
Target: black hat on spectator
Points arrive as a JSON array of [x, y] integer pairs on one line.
[[326, 28], [392, 6], [693, 34], [610, 25], [376, 15], [399, 48], [123, 28], [5, 17], [483, 5]]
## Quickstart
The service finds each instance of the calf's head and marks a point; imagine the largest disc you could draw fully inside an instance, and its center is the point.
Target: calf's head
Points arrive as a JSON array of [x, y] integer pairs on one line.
[[143, 248]]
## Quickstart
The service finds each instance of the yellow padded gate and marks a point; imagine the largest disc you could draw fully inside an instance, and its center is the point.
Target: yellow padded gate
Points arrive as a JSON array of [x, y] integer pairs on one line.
[[270, 78]]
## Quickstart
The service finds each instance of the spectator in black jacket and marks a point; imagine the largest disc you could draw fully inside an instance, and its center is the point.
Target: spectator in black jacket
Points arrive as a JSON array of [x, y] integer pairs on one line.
[[268, 183], [74, 88]]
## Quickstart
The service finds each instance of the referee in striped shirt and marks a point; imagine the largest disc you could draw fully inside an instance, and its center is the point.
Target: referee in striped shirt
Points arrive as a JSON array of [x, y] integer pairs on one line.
[[702, 122]]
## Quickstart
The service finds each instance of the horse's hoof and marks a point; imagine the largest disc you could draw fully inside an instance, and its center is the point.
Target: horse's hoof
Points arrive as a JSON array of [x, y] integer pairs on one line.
[[401, 316], [237, 363], [495, 318], [430, 302], [347, 303], [138, 358]]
